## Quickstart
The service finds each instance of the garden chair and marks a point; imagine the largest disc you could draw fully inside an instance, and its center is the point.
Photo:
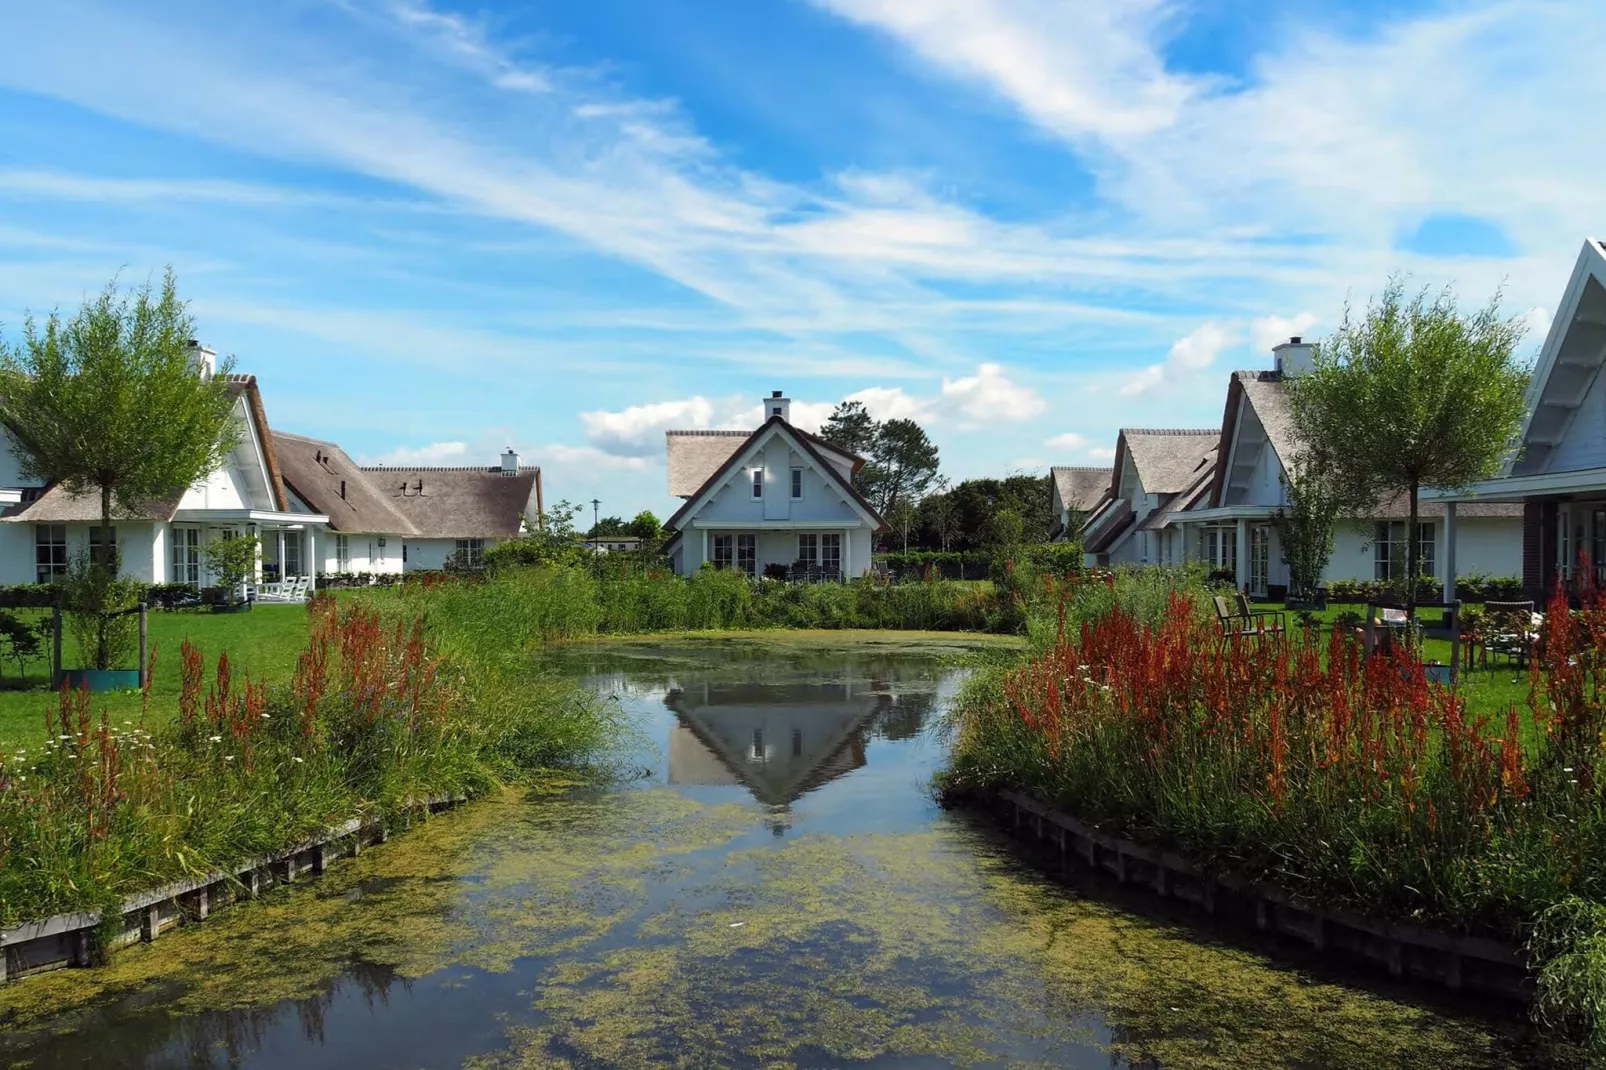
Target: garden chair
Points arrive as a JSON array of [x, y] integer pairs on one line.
[[1233, 624], [1510, 630], [1268, 621]]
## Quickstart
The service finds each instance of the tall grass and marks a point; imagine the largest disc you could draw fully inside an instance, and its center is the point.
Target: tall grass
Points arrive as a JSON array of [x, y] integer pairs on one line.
[[1350, 779], [376, 718], [517, 608]]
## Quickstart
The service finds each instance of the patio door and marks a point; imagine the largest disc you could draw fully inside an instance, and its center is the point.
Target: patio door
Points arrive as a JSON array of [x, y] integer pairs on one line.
[[187, 555], [1259, 559], [292, 555], [831, 553]]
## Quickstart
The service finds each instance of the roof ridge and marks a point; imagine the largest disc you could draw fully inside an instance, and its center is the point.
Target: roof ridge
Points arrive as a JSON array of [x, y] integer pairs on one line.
[[442, 468], [720, 431], [1179, 431], [1081, 468]]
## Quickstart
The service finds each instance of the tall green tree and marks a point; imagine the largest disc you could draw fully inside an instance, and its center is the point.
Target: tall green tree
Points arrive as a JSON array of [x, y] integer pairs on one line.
[[109, 403], [907, 462], [1305, 525], [1414, 393], [850, 427], [645, 526]]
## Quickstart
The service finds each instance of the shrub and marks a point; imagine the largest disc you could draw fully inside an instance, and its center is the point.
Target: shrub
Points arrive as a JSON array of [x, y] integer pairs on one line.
[[232, 561], [99, 606]]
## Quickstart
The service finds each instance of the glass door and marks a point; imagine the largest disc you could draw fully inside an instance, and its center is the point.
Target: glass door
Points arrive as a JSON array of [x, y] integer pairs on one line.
[[1259, 560]]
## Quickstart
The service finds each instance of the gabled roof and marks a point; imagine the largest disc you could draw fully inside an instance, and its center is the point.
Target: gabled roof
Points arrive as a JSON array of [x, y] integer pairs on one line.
[[57, 505], [807, 444], [694, 456], [1103, 531], [1080, 488], [329, 481], [461, 503], [1569, 361], [1188, 498], [1167, 459], [1269, 396]]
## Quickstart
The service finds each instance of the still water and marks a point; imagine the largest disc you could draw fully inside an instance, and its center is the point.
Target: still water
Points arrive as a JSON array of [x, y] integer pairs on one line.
[[780, 892]]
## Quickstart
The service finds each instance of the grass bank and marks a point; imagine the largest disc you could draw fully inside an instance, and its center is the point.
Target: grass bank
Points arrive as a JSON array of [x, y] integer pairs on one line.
[[1347, 779], [374, 714]]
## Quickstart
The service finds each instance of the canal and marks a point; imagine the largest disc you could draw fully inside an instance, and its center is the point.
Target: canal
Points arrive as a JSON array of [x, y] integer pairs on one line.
[[780, 891]]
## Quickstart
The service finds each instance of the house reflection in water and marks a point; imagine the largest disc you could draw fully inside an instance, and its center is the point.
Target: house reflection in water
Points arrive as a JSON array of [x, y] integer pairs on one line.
[[778, 742]]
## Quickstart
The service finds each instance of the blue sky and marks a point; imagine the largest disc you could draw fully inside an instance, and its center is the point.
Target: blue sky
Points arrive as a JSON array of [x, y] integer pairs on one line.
[[436, 229]]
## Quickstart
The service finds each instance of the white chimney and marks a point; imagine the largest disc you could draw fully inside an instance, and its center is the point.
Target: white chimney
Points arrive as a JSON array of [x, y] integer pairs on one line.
[[778, 405], [1294, 357], [202, 360], [510, 462]]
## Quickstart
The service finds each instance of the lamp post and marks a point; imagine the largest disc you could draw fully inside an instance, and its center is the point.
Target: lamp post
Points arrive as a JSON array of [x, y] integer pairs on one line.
[[596, 547]]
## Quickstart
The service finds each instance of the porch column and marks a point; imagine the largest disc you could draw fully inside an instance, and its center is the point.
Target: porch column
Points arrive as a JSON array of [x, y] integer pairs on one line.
[[705, 550], [1449, 551], [282, 576], [1241, 568], [309, 563], [847, 554]]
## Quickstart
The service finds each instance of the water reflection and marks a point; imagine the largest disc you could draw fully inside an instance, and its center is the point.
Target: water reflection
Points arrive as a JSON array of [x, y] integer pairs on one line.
[[673, 925]]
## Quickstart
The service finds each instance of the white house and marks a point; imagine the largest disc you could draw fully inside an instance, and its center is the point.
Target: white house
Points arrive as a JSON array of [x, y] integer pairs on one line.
[[387, 520], [1076, 491], [774, 496], [298, 496], [1155, 472], [1557, 477], [1230, 526]]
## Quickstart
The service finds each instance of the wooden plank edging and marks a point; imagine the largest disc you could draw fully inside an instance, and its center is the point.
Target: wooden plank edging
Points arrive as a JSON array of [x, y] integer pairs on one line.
[[1472, 962], [72, 939]]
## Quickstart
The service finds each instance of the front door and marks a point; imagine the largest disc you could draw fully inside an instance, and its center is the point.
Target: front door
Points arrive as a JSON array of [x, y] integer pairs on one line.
[[1259, 559]]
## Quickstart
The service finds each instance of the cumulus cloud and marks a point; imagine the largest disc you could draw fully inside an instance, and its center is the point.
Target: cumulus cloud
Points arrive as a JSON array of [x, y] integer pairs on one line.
[[989, 397], [1536, 321], [1102, 453], [436, 453], [1268, 331], [1194, 352], [1070, 440], [588, 458], [639, 430]]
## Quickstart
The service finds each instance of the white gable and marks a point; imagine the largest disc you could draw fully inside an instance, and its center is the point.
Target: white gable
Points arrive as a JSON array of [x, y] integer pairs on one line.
[[1565, 429], [242, 483], [775, 454]]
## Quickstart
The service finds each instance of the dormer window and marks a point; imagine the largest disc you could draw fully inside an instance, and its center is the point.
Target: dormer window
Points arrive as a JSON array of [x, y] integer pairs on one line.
[[758, 482]]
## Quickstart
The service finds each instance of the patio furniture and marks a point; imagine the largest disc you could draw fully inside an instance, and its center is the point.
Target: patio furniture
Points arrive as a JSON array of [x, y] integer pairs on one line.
[[1262, 618], [1237, 624], [1509, 630], [292, 590]]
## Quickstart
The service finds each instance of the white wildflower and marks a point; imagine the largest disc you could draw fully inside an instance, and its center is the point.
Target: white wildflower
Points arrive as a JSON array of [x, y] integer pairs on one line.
[[228, 757], [298, 761], [215, 739]]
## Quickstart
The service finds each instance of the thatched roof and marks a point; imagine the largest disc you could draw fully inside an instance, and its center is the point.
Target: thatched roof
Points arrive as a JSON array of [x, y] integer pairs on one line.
[[461, 503], [696, 455], [1168, 460], [331, 483], [1080, 488]]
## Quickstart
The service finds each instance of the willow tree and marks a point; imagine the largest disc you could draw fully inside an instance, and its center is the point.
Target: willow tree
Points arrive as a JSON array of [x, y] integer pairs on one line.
[[110, 403], [1415, 393]]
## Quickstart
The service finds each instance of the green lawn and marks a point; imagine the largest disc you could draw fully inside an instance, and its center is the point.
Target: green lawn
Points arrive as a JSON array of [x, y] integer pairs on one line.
[[264, 643], [1487, 691]]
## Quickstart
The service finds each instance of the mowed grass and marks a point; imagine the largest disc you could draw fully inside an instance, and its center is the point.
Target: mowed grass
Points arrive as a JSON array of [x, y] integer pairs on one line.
[[1489, 690], [263, 643]]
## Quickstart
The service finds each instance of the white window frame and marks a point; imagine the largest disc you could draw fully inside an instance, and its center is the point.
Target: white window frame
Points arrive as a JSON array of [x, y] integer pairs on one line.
[[831, 551], [186, 554], [50, 552], [797, 484], [342, 553], [758, 483], [1391, 551], [724, 551], [747, 552], [473, 551], [808, 548]]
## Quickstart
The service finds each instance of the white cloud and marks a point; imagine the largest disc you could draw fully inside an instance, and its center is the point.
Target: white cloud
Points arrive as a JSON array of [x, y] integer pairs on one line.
[[989, 397], [1102, 453], [580, 459], [467, 43], [1086, 66], [1268, 331], [436, 453], [639, 430], [1193, 353], [1070, 440], [1536, 322]]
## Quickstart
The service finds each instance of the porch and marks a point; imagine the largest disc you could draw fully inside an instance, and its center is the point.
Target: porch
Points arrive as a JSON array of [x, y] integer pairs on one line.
[[287, 545], [800, 551]]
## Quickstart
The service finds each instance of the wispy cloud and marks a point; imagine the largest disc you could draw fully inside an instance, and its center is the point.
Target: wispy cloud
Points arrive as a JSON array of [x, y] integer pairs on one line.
[[1191, 354]]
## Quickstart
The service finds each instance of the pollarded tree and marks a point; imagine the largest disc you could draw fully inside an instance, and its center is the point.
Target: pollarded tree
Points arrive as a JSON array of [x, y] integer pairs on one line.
[[109, 402], [1413, 394]]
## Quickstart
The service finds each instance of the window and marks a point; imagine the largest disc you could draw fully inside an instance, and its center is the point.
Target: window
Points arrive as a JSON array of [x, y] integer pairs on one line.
[[95, 546], [797, 484], [758, 482], [473, 551], [291, 565], [1220, 548], [1259, 558], [1597, 539], [187, 555], [50, 551], [831, 553], [747, 553], [808, 549], [723, 545], [342, 554], [1390, 559]]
